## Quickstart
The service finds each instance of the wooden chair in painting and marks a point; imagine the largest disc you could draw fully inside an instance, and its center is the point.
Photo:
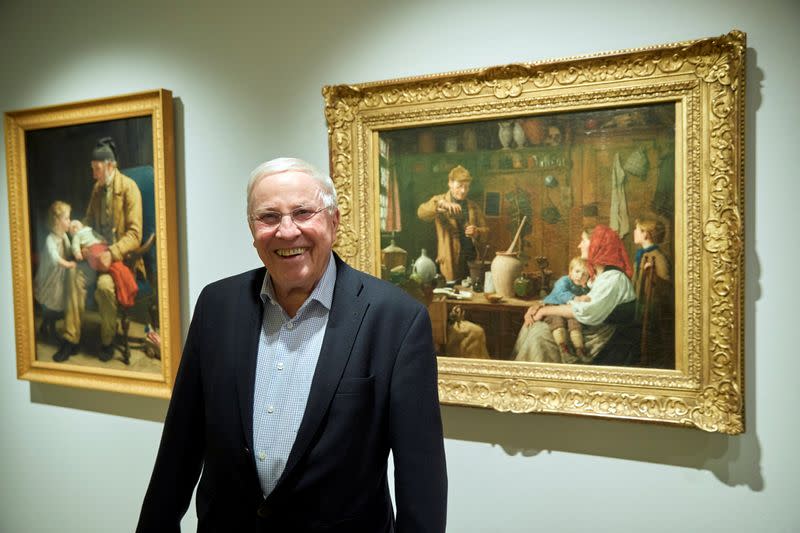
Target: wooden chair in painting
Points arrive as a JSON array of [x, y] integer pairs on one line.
[[145, 307]]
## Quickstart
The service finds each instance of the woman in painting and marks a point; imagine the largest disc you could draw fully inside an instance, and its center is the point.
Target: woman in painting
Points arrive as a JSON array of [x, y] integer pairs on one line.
[[611, 300]]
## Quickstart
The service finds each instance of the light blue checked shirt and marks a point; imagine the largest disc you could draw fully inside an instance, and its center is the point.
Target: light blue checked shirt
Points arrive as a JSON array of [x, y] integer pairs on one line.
[[288, 350]]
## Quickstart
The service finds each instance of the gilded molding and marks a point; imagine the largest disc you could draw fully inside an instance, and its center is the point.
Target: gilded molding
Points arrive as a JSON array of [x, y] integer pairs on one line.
[[156, 104], [705, 78]]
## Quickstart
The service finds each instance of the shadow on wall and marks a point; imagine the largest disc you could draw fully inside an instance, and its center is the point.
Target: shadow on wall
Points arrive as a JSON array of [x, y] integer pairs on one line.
[[734, 460], [110, 403]]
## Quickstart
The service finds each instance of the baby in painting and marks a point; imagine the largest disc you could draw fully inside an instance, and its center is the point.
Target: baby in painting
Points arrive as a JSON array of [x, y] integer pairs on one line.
[[573, 286], [84, 238], [53, 265], [89, 245]]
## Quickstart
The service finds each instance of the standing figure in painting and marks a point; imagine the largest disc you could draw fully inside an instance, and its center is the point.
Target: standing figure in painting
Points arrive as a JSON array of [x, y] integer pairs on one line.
[[652, 280], [296, 382], [648, 235], [460, 225], [115, 212], [53, 266], [611, 300], [572, 287]]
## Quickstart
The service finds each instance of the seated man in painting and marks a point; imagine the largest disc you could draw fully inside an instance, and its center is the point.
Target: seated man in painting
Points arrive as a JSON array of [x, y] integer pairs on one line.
[[460, 225], [115, 212]]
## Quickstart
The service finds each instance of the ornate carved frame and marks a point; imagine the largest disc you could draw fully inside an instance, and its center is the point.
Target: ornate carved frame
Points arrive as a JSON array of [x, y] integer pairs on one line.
[[706, 80], [156, 104]]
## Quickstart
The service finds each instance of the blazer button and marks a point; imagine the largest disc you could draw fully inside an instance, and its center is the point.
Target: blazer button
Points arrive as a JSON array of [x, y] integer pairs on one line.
[[246, 451], [265, 511]]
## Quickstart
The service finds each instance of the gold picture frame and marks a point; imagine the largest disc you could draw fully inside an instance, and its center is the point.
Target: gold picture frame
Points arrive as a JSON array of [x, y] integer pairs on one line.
[[659, 130], [50, 185]]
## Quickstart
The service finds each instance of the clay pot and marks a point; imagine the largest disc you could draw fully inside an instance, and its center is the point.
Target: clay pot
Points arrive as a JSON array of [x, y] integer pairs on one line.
[[477, 270], [469, 139], [518, 134], [534, 130], [393, 256], [523, 286], [427, 142], [506, 267]]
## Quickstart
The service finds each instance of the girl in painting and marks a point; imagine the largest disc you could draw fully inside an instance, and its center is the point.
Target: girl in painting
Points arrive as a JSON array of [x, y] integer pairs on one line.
[[53, 265], [611, 295]]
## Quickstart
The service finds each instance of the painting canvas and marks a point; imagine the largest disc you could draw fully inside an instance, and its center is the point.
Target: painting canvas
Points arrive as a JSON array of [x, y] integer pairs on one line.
[[58, 163], [613, 180], [94, 246], [562, 173]]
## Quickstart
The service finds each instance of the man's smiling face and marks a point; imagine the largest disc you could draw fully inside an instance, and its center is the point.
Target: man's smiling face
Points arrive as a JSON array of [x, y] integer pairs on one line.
[[295, 256]]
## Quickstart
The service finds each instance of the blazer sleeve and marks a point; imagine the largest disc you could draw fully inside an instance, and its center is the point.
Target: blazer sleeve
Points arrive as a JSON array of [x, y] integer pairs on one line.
[[180, 454], [415, 427]]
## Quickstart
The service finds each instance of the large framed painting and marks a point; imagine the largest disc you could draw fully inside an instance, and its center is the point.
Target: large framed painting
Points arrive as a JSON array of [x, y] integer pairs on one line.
[[94, 243], [574, 227]]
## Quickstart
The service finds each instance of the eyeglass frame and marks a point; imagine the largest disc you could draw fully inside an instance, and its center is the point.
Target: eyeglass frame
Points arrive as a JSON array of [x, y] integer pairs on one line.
[[290, 214]]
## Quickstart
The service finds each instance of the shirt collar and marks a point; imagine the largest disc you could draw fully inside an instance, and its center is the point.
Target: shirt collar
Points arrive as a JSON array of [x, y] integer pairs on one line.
[[322, 293]]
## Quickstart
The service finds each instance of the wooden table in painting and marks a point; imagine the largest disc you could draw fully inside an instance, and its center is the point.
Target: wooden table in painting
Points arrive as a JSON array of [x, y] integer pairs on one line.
[[501, 320]]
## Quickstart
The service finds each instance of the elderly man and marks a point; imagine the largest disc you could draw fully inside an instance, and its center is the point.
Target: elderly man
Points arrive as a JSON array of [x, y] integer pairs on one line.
[[296, 382], [115, 212], [460, 224]]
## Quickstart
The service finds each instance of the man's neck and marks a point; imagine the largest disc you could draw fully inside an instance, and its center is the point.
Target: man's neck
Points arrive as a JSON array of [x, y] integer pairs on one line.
[[292, 301]]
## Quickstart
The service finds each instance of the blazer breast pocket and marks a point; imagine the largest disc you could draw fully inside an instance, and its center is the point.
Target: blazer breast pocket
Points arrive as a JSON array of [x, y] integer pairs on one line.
[[356, 386]]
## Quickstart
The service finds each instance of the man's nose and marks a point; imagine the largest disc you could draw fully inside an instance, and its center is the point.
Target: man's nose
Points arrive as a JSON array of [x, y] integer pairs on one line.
[[287, 226]]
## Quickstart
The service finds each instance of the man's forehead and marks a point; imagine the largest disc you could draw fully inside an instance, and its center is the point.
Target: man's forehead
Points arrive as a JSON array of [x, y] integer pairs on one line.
[[294, 197]]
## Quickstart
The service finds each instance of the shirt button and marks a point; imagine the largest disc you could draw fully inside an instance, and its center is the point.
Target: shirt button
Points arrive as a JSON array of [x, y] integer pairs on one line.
[[289, 325], [262, 455], [270, 409], [280, 366]]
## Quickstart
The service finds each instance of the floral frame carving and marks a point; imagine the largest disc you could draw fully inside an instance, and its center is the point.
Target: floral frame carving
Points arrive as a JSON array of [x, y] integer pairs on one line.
[[74, 123], [706, 79]]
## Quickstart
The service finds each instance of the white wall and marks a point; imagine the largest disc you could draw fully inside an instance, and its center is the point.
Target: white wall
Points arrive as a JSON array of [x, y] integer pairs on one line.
[[247, 81]]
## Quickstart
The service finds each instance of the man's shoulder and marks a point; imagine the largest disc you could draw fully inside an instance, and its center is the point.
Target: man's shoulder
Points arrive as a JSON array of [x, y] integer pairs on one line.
[[377, 290], [126, 181], [232, 284], [437, 197]]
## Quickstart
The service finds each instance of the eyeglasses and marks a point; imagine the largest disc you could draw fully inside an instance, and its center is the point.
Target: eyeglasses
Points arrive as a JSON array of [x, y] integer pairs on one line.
[[272, 219]]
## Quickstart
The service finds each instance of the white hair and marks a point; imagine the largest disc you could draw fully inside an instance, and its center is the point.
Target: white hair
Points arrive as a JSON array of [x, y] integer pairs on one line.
[[327, 191]]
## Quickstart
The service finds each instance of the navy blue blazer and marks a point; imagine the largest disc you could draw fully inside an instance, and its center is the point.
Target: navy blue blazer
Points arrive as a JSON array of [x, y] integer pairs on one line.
[[374, 390]]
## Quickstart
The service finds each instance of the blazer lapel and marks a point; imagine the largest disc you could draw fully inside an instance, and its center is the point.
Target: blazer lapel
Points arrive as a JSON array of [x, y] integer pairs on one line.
[[347, 311], [249, 318]]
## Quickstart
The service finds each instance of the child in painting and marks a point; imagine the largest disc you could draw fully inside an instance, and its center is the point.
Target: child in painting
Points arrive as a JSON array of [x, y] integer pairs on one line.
[[88, 245], [652, 278], [53, 264], [85, 238], [648, 235], [573, 286]]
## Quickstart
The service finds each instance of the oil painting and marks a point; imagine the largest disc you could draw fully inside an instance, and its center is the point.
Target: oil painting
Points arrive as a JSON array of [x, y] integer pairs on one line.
[[92, 243], [482, 221], [573, 226]]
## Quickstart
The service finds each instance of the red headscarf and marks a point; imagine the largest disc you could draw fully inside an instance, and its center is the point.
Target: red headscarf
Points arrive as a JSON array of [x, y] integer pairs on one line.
[[606, 248]]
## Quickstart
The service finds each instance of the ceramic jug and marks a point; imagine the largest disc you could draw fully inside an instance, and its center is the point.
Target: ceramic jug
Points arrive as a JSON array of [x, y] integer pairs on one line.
[[523, 286], [505, 133], [518, 134], [506, 267], [424, 267]]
